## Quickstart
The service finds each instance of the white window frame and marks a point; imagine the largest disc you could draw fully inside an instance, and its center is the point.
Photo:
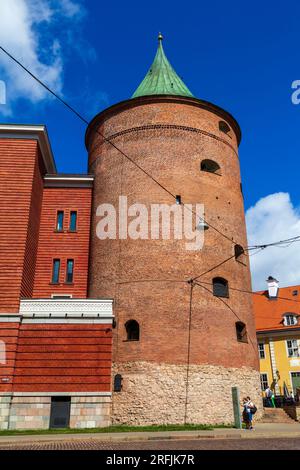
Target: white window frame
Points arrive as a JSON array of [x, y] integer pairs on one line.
[[266, 374], [291, 381], [292, 348], [261, 343]]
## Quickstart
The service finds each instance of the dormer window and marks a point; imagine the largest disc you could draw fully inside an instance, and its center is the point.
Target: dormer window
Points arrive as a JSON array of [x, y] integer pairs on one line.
[[290, 319]]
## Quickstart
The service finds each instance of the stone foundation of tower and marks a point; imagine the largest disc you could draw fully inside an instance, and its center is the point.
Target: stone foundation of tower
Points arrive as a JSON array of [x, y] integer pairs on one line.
[[156, 393]]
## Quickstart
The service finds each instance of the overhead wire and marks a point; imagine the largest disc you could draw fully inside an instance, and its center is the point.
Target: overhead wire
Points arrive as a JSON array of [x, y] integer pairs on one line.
[[73, 110]]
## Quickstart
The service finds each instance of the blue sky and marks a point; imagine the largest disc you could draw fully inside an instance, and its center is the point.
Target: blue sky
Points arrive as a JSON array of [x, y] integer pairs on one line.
[[241, 56]]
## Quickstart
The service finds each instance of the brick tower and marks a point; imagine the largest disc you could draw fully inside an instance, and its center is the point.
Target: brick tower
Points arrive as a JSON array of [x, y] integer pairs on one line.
[[177, 363]]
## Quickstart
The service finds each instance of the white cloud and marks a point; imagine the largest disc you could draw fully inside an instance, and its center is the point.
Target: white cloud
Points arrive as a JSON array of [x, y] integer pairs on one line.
[[20, 24], [274, 218], [71, 9]]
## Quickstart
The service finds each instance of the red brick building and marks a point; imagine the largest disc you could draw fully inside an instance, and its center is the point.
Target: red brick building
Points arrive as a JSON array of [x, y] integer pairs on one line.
[[167, 359], [56, 343]]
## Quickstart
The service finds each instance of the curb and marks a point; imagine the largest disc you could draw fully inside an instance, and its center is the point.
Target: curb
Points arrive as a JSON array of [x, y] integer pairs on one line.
[[23, 440]]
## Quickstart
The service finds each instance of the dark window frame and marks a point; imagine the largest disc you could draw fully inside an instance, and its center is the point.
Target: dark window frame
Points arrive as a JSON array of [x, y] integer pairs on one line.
[[118, 383], [264, 381], [210, 166], [132, 328], [76, 221], [220, 287], [225, 128], [67, 271], [261, 350], [241, 332], [57, 226], [238, 252]]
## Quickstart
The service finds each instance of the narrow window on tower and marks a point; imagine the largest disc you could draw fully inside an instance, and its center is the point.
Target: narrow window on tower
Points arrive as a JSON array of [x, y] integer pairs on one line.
[[60, 221], [241, 332], [238, 252], [223, 127], [118, 383], [132, 330], [70, 270], [210, 166], [220, 287], [55, 271], [73, 221]]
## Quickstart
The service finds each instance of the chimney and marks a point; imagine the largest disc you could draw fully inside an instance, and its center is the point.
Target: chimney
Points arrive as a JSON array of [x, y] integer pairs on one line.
[[273, 287]]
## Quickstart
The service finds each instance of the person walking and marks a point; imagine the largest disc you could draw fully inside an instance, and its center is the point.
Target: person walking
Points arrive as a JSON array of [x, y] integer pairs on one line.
[[269, 394], [248, 412]]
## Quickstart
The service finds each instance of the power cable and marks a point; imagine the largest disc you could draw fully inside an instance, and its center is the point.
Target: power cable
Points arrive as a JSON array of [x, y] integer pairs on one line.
[[73, 110], [228, 306], [253, 293], [188, 353]]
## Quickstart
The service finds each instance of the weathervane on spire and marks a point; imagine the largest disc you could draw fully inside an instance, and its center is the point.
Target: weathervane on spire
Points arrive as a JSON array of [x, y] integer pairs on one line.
[[161, 78]]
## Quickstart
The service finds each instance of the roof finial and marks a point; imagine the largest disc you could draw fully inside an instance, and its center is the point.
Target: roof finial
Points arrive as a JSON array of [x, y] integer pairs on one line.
[[160, 37]]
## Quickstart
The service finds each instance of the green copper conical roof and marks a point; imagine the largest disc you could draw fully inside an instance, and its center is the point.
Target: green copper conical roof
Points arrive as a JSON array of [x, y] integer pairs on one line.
[[161, 78]]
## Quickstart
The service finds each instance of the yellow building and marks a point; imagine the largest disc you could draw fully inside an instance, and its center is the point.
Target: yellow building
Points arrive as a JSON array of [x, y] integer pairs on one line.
[[278, 336]]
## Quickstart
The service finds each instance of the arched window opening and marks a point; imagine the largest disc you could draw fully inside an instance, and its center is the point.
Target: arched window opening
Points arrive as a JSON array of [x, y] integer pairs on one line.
[[220, 287], [132, 330], [210, 166], [223, 127], [238, 251], [241, 332]]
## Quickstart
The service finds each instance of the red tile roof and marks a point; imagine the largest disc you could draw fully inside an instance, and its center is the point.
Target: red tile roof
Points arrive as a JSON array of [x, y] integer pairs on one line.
[[269, 313]]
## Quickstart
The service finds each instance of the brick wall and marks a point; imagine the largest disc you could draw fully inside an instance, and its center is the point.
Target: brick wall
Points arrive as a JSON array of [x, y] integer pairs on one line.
[[9, 332], [56, 357], [169, 138], [33, 230], [20, 191]]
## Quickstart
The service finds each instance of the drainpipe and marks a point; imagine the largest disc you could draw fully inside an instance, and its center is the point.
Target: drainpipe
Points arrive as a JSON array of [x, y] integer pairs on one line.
[[273, 365]]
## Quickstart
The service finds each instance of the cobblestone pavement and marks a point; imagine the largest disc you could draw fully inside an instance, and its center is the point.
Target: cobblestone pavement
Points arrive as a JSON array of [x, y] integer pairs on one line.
[[199, 444]]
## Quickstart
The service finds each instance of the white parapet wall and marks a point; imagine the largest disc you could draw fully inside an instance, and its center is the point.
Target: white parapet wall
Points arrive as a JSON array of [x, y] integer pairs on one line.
[[66, 310]]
